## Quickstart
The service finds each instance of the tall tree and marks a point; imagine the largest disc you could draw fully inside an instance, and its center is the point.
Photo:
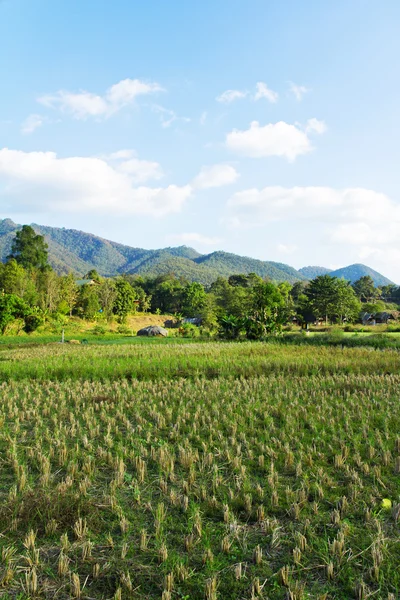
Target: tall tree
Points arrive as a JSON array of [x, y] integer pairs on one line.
[[29, 249], [125, 299], [69, 292], [365, 289], [332, 298], [194, 299]]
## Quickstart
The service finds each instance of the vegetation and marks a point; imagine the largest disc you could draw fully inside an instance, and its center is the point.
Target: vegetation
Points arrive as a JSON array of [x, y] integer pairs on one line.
[[29, 249], [118, 484], [79, 252], [241, 306]]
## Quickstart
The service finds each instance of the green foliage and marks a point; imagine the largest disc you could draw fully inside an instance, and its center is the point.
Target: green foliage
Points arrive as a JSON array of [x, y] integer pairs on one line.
[[331, 298], [353, 273], [312, 272], [365, 290], [13, 308], [88, 304], [124, 301], [29, 249], [194, 299]]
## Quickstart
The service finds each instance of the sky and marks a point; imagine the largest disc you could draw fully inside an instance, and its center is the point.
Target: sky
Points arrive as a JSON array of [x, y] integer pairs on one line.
[[266, 128]]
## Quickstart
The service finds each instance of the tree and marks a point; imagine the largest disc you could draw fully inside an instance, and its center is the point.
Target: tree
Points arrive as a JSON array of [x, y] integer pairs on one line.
[[230, 300], [69, 292], [107, 295], [330, 298], [270, 310], [11, 308], [167, 296], [93, 275], [347, 305], [88, 302], [365, 289], [194, 299], [388, 292], [29, 249], [49, 291], [125, 299]]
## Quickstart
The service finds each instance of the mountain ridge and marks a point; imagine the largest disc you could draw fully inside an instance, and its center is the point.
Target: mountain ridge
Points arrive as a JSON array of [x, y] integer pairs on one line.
[[79, 252]]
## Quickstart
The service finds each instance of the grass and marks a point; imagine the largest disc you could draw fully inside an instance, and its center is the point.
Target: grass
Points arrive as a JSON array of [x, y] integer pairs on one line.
[[166, 470], [168, 359]]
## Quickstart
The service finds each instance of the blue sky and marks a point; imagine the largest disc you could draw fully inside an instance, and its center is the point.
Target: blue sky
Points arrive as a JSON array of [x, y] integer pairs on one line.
[[269, 129]]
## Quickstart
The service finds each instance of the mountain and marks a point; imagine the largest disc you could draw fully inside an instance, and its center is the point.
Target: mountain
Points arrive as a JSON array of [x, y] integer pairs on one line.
[[353, 272], [73, 250], [79, 252], [312, 272]]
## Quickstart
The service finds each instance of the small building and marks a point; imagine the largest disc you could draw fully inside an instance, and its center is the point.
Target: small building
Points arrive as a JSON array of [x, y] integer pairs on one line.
[[378, 318], [153, 331], [81, 282]]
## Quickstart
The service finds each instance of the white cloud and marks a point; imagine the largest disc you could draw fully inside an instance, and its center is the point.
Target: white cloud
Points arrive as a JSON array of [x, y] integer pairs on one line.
[[32, 123], [231, 95], [298, 91], [83, 104], [120, 154], [194, 238], [215, 176], [316, 126], [167, 116], [358, 222], [203, 117], [141, 171], [41, 181], [264, 92], [287, 248], [273, 139]]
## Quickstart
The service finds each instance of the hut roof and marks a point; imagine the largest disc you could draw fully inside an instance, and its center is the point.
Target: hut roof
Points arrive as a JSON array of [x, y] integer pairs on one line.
[[153, 330]]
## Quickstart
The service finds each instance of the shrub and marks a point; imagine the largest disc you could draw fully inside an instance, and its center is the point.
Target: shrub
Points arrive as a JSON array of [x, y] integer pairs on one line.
[[98, 330]]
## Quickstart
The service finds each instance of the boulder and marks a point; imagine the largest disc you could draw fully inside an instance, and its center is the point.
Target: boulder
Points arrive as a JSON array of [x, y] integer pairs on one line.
[[153, 331]]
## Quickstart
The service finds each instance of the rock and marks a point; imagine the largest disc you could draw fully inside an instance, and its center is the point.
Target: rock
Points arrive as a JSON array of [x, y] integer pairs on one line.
[[153, 331]]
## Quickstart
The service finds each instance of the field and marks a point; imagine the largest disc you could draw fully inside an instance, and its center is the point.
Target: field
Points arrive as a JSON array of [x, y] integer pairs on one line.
[[199, 471]]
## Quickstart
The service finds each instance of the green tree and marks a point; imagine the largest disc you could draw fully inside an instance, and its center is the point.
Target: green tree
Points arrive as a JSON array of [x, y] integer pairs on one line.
[[388, 292], [88, 304], [69, 292], [194, 299], [29, 249], [332, 298], [12, 307], [93, 275], [49, 290], [365, 289], [347, 305], [270, 310], [125, 300], [167, 296], [13, 278], [107, 294], [230, 299]]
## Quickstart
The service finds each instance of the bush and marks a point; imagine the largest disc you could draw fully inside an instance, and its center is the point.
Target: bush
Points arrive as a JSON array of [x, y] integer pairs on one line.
[[189, 331], [124, 330], [98, 330], [32, 322]]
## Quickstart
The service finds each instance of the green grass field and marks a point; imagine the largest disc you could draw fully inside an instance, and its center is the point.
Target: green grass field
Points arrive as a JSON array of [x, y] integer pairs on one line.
[[169, 470]]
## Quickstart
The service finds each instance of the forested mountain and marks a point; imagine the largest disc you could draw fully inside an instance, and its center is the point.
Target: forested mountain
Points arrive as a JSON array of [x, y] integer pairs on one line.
[[312, 272], [353, 272], [79, 252]]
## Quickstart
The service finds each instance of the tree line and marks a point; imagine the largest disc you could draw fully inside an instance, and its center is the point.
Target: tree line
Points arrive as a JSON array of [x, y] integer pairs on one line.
[[243, 304]]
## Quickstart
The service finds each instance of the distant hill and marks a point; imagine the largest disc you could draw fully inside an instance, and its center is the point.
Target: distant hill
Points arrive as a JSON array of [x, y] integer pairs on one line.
[[79, 252], [353, 272], [312, 272], [73, 250]]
